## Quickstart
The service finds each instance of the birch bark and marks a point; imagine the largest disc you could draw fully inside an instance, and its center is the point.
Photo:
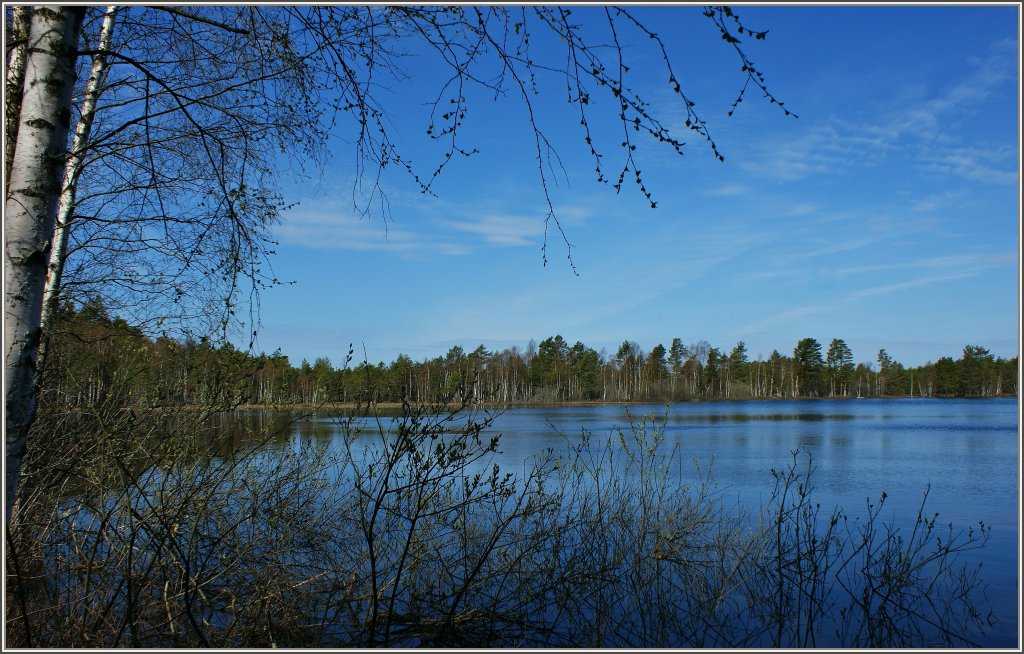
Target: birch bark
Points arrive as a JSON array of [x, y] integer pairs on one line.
[[30, 209], [15, 79], [72, 173]]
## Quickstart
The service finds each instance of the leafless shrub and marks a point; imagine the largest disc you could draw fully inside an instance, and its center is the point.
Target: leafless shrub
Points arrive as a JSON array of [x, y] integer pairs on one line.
[[146, 535]]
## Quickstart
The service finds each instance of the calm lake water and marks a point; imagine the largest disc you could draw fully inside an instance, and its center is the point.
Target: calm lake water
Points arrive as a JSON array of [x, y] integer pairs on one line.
[[967, 450]]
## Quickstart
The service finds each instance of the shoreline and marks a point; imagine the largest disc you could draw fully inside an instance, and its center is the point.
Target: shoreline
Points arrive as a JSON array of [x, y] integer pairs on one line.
[[396, 406]]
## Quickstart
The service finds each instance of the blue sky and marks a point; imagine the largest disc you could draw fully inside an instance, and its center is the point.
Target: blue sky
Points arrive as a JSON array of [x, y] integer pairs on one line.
[[887, 214]]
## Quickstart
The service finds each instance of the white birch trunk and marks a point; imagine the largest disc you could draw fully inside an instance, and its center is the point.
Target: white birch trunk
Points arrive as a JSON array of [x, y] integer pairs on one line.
[[15, 80], [30, 212], [69, 188]]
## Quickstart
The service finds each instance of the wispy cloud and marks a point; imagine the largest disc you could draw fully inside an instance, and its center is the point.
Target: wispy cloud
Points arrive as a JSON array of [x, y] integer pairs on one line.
[[928, 120], [608, 288], [995, 166], [801, 209], [729, 190], [914, 283], [502, 229], [320, 228], [923, 129], [930, 270], [824, 148], [794, 314], [843, 245], [935, 202], [966, 263], [938, 270], [574, 215]]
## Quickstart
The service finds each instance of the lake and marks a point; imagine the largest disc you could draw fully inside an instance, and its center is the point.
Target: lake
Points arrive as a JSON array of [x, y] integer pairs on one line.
[[966, 450]]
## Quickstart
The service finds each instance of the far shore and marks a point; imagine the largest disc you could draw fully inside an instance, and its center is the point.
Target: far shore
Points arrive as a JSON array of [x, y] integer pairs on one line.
[[397, 406]]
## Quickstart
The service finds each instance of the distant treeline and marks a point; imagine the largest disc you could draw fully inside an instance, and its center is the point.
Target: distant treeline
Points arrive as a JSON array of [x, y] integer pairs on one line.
[[98, 358]]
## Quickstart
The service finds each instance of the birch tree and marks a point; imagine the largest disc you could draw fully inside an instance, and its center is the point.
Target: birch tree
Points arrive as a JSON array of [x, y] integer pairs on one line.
[[30, 210], [169, 216], [171, 187], [72, 172], [14, 80], [168, 197]]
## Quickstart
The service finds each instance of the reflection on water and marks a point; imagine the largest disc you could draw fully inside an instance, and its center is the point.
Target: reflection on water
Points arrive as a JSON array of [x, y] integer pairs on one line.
[[966, 450], [754, 417]]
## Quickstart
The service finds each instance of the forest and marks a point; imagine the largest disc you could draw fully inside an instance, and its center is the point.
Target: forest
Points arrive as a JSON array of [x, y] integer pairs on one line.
[[155, 516], [143, 161], [98, 358]]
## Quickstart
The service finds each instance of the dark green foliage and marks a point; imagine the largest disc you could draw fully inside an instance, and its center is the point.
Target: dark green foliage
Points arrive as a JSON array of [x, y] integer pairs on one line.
[[945, 376], [656, 364], [739, 364], [96, 355], [809, 366], [549, 369], [840, 367], [712, 373], [976, 365], [585, 364]]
